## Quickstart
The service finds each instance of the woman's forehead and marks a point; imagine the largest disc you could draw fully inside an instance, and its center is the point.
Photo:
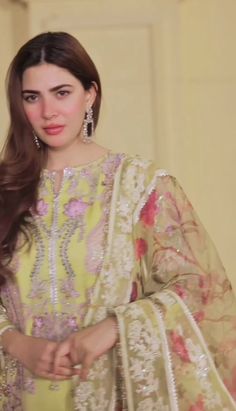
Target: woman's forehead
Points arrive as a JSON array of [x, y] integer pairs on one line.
[[46, 76]]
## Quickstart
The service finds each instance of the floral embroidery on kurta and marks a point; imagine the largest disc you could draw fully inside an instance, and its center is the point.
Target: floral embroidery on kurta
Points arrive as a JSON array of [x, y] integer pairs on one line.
[[121, 238]]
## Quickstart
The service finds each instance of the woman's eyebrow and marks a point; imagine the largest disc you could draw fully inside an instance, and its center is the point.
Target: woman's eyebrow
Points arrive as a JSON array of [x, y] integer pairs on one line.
[[56, 88]]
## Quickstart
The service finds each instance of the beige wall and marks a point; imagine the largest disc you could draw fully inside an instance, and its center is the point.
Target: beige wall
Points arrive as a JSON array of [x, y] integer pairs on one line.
[[185, 99], [6, 51], [205, 150], [13, 32]]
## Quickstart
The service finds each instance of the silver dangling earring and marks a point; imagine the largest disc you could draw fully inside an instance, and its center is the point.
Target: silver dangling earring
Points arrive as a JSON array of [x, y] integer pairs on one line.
[[36, 140], [88, 126]]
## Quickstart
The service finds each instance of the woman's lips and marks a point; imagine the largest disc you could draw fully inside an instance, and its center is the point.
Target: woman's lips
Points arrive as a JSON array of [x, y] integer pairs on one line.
[[54, 130]]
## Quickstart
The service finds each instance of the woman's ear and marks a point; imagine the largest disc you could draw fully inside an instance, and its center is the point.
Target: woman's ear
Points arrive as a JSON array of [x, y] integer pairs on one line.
[[91, 94]]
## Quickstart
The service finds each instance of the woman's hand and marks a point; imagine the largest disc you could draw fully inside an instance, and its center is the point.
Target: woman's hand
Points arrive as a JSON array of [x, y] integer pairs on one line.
[[37, 355], [85, 346]]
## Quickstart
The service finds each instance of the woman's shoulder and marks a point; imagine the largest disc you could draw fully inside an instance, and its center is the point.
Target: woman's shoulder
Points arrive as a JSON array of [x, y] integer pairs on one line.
[[141, 167], [138, 177], [142, 179]]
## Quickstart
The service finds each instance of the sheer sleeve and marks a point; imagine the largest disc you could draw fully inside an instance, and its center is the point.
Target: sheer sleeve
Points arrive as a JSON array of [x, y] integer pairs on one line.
[[178, 342]]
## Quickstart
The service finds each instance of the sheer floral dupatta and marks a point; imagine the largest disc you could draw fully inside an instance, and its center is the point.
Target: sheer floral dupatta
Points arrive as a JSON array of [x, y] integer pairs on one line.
[[178, 342]]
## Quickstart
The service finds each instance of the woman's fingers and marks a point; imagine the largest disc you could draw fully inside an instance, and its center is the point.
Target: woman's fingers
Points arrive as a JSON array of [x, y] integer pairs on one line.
[[85, 366], [68, 372], [61, 353], [61, 373], [56, 377], [66, 362]]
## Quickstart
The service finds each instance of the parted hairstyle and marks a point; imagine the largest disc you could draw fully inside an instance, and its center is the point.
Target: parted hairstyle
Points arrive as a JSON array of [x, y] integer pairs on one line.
[[21, 163]]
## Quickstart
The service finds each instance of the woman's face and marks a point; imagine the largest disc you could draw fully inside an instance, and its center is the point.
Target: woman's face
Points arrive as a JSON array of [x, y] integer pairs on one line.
[[55, 103]]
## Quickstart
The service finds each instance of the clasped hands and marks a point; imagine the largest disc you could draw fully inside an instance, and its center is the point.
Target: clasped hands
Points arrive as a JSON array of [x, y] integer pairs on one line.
[[61, 361]]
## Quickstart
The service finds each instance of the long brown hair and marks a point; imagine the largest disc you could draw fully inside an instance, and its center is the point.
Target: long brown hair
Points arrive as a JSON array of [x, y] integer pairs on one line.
[[21, 163]]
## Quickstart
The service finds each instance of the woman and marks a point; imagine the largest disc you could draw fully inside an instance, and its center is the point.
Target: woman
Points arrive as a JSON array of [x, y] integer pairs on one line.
[[113, 297]]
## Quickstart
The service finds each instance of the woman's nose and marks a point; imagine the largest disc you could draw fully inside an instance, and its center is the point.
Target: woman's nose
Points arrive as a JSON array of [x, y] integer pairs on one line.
[[48, 110]]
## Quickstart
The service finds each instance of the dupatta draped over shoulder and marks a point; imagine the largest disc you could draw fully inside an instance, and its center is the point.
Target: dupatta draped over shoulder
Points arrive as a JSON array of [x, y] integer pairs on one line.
[[161, 277]]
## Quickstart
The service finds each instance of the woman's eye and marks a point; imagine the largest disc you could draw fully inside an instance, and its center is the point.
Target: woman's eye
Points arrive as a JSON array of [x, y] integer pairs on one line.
[[31, 98], [62, 93]]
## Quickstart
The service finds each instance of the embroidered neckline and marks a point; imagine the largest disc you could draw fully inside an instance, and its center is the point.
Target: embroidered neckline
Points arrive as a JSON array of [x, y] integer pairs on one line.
[[92, 163]]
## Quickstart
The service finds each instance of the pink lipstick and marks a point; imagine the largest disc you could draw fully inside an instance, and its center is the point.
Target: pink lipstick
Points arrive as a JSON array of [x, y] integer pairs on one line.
[[53, 130]]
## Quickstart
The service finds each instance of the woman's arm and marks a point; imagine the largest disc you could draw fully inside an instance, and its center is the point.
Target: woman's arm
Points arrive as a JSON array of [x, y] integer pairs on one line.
[[86, 346], [35, 354]]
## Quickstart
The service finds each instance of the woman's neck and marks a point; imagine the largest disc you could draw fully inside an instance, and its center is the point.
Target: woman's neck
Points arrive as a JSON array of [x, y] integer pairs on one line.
[[58, 159]]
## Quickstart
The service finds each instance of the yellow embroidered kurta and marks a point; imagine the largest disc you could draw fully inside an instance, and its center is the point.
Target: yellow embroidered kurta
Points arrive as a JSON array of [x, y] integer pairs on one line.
[[55, 279], [121, 237]]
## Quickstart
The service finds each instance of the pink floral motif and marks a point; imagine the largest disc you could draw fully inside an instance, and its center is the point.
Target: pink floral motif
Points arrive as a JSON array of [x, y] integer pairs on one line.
[[68, 288], [134, 292], [179, 347], [205, 285], [54, 326], [39, 322], [75, 208], [231, 384], [198, 406], [42, 207], [170, 229], [180, 291], [140, 248], [149, 210], [169, 196], [199, 316]]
